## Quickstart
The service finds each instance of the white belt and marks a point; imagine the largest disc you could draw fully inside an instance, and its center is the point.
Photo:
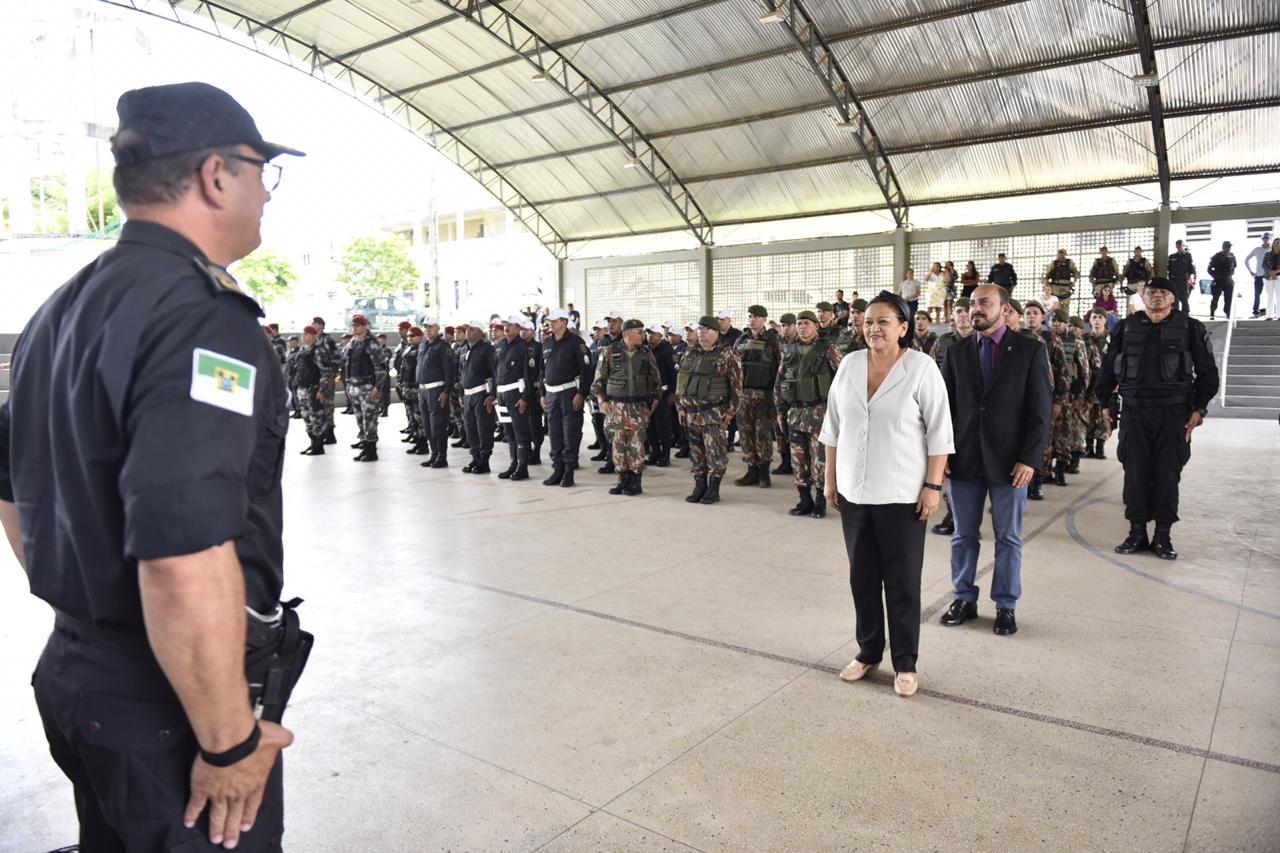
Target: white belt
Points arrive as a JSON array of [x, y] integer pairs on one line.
[[476, 390], [504, 414], [666, 387], [518, 385], [428, 386], [552, 389]]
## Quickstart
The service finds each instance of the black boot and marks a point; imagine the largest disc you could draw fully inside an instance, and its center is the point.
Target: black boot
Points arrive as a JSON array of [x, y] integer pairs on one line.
[[1060, 472], [470, 467], [683, 452], [1073, 467], [461, 442], [566, 482], [634, 487], [1137, 540], [763, 471], [819, 504], [522, 465], [1035, 490], [751, 478], [359, 445], [603, 453], [664, 458], [785, 467], [329, 437], [1160, 544], [316, 448], [557, 474], [1101, 452], [699, 489], [624, 480], [370, 453], [712, 495], [806, 502], [482, 466], [535, 458], [408, 437], [511, 469], [607, 468], [441, 459], [947, 527], [421, 447]]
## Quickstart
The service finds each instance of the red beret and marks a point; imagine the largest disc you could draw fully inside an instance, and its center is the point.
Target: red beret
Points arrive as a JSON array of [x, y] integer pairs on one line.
[[415, 332], [310, 330], [404, 324], [449, 330], [359, 320]]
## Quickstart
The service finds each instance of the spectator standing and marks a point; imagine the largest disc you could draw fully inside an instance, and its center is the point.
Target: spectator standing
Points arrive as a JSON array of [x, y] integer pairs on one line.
[[910, 291], [1253, 263], [935, 291], [1002, 273], [1271, 276], [953, 280], [841, 309], [968, 281]]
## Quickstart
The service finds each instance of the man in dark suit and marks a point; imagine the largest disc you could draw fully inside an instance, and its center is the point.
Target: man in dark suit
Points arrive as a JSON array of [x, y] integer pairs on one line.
[[998, 386]]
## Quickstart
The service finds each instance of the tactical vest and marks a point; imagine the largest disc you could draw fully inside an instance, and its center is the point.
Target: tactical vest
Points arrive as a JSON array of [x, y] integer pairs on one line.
[[1177, 373], [1138, 270], [697, 379], [1070, 345], [1061, 269], [359, 364], [308, 375], [631, 378], [806, 373], [759, 370]]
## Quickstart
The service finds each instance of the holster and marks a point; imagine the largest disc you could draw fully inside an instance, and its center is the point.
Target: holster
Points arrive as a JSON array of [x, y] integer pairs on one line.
[[275, 655]]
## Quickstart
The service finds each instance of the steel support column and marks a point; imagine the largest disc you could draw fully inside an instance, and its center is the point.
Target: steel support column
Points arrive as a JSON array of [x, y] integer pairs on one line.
[[1164, 223], [1147, 58]]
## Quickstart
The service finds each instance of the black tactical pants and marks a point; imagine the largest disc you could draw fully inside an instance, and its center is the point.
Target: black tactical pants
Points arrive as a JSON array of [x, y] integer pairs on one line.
[[1153, 450], [435, 415], [564, 428], [480, 424], [661, 432], [117, 731], [519, 436], [1224, 289]]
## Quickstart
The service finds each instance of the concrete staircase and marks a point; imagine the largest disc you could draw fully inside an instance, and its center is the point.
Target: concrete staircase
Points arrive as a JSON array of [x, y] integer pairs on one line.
[[1253, 371]]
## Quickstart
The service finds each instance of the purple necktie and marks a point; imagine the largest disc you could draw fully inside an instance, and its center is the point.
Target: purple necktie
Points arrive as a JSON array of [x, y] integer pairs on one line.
[[986, 348]]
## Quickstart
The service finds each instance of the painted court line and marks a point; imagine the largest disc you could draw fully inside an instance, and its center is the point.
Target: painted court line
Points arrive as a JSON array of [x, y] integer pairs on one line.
[[832, 670]]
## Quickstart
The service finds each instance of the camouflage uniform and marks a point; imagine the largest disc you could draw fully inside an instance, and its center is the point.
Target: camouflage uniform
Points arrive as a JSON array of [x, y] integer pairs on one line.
[[364, 368], [1058, 446], [804, 420], [327, 351], [626, 410], [313, 375], [407, 380], [849, 342], [1095, 425], [703, 418], [1078, 375], [760, 356]]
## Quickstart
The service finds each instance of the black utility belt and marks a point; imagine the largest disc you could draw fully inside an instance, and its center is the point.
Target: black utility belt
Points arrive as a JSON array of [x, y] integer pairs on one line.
[[1155, 403], [358, 380], [134, 643]]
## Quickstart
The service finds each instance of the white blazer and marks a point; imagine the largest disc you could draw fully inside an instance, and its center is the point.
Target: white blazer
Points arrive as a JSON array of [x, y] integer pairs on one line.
[[882, 447]]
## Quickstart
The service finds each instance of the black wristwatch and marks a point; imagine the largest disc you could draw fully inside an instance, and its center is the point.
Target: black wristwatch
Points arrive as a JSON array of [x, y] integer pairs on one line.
[[1204, 413], [934, 486], [235, 753]]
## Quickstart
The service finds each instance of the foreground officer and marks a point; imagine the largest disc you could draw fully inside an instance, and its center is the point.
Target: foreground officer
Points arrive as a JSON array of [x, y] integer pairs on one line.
[[627, 386], [364, 371], [1161, 363], [517, 380], [151, 517], [437, 374], [708, 388], [566, 381], [808, 365], [760, 350]]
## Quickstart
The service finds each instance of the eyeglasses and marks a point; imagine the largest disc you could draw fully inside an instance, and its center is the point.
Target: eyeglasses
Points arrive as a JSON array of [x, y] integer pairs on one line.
[[271, 172]]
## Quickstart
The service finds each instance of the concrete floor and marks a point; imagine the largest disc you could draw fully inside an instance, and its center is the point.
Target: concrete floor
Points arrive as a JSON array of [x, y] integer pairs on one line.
[[512, 667]]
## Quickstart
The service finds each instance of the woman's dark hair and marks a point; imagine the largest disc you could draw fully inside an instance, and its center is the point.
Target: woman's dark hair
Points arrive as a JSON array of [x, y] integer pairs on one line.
[[902, 309]]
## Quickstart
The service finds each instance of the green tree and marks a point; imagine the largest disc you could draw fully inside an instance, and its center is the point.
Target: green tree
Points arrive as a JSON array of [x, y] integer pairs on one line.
[[264, 276], [373, 267]]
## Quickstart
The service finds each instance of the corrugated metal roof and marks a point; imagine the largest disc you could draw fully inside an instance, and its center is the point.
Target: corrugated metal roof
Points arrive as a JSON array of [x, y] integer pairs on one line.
[[936, 73]]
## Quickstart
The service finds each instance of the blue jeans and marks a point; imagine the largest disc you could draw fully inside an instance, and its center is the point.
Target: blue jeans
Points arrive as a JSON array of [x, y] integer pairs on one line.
[[968, 497]]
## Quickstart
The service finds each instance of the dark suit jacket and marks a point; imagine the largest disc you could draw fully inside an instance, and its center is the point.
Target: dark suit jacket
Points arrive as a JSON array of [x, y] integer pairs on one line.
[[1009, 422]]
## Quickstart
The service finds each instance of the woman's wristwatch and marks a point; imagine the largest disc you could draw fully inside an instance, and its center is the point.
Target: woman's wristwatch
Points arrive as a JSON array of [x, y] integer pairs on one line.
[[935, 486]]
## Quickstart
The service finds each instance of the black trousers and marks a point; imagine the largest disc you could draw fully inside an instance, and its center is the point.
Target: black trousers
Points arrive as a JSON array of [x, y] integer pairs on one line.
[[1225, 289], [434, 415], [564, 428], [479, 423], [1153, 450], [661, 432], [117, 731], [885, 543], [1257, 293], [518, 434]]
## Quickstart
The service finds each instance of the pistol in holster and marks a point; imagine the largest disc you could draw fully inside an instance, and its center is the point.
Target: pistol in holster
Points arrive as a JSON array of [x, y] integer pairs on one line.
[[276, 652]]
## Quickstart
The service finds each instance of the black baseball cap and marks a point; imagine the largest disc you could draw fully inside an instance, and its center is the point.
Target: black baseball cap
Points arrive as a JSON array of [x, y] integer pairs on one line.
[[182, 117]]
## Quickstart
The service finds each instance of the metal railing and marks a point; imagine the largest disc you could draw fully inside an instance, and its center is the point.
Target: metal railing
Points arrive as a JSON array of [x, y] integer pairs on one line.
[[1226, 355]]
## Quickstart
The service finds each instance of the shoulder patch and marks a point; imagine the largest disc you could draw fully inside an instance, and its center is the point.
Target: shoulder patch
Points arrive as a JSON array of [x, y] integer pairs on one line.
[[222, 381], [221, 281]]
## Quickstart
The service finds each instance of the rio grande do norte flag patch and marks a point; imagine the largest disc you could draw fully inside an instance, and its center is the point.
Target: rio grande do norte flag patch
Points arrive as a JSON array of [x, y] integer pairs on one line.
[[222, 381]]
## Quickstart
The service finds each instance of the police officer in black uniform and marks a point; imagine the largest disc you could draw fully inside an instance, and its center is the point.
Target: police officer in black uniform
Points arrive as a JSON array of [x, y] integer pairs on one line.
[[475, 374], [661, 435], [150, 518], [566, 381], [1161, 363], [436, 374], [517, 387], [537, 417]]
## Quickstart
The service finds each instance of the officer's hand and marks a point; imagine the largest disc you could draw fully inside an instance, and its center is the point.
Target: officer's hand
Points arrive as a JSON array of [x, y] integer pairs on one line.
[[319, 396], [833, 495], [443, 399], [653, 407], [927, 502], [726, 420], [1192, 422], [233, 794], [522, 406], [1021, 475], [680, 414], [1106, 416], [1057, 409], [544, 404], [489, 403], [577, 402], [373, 396]]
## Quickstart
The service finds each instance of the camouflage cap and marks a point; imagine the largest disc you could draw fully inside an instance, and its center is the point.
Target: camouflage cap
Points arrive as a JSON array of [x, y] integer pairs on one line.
[[858, 305], [807, 315], [1016, 306], [825, 306], [1034, 303], [1078, 322], [632, 324], [1099, 310], [1061, 315], [757, 311], [787, 319], [963, 302], [708, 322]]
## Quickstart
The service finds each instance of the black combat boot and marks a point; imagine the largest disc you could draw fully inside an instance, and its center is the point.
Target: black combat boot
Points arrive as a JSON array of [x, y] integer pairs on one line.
[[407, 429], [522, 465], [785, 467], [699, 489], [819, 504], [1073, 467], [535, 458], [947, 527], [664, 458], [806, 502], [441, 459], [408, 436], [712, 495], [603, 453], [751, 478], [1035, 489], [316, 448], [624, 480], [607, 468], [763, 471], [1137, 540], [634, 487], [1101, 452], [461, 442], [359, 445], [370, 453], [1060, 472], [482, 466], [557, 474], [434, 450], [511, 469], [1160, 544], [329, 437], [421, 446], [566, 482]]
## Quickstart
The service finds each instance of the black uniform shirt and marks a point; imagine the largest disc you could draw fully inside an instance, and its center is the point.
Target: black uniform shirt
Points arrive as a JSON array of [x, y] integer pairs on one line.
[[1003, 275], [435, 363], [477, 363], [146, 420], [665, 355], [567, 360], [517, 361]]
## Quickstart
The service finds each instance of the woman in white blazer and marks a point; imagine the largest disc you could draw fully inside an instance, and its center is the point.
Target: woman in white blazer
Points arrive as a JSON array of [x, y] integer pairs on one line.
[[888, 434]]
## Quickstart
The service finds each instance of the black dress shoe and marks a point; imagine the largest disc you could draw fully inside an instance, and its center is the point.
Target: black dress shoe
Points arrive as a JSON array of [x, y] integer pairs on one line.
[[1005, 625], [1161, 546], [946, 527], [1137, 540], [959, 613]]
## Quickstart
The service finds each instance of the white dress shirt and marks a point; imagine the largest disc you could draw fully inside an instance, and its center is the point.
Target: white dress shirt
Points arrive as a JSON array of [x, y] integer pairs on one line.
[[882, 447]]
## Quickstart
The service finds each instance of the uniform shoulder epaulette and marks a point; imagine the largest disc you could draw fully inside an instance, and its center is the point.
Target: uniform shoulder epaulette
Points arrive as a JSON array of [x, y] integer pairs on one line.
[[220, 281]]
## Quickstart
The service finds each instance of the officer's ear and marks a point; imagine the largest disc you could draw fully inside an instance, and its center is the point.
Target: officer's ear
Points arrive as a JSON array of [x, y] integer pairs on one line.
[[211, 180]]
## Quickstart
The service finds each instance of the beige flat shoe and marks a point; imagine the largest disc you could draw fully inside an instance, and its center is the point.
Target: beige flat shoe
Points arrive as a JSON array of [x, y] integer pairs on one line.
[[856, 671], [906, 684]]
